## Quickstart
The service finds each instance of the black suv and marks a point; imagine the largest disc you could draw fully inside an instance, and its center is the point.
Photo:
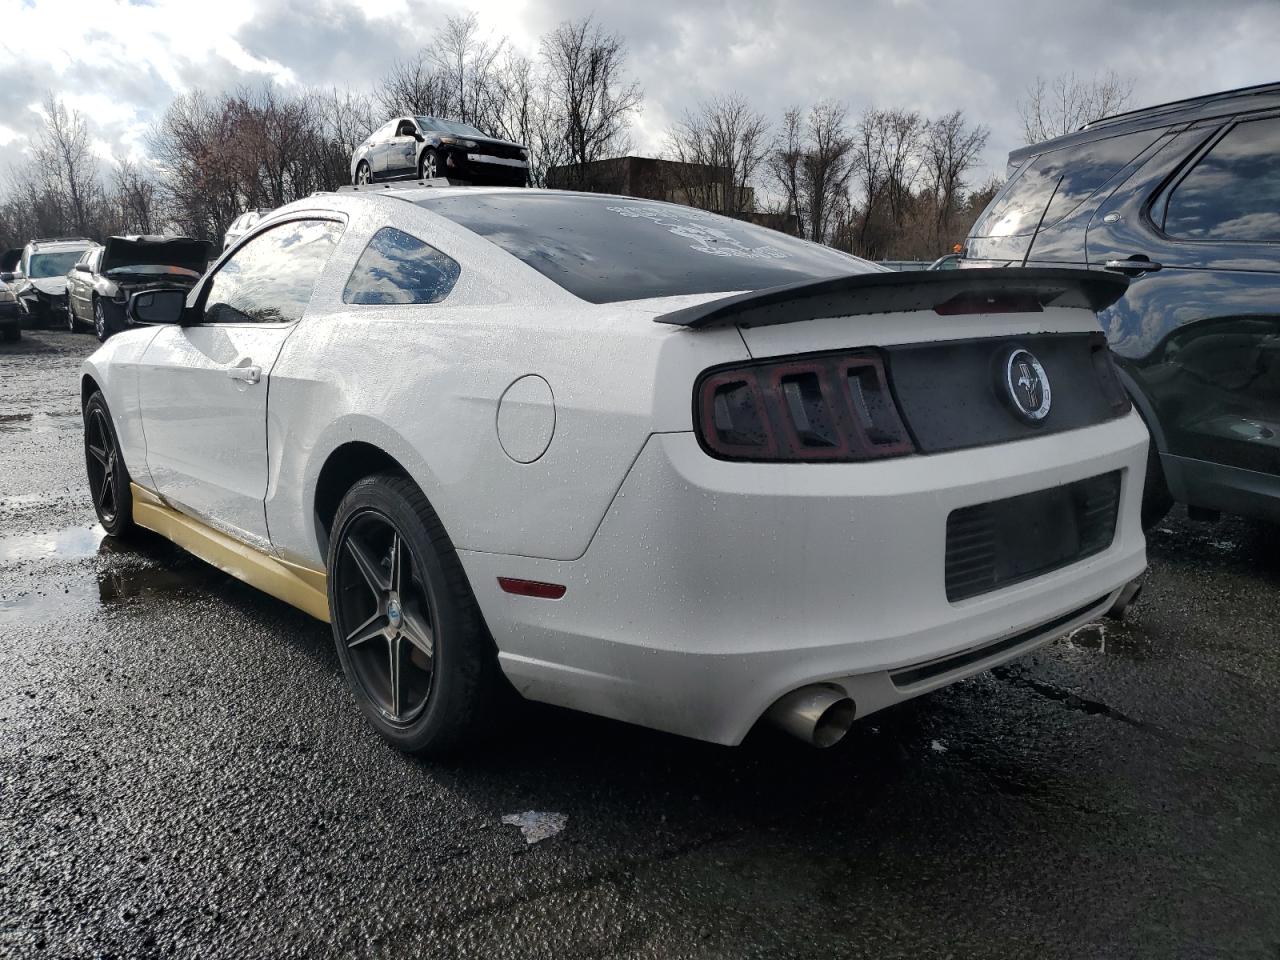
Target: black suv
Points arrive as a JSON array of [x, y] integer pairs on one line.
[[1184, 198]]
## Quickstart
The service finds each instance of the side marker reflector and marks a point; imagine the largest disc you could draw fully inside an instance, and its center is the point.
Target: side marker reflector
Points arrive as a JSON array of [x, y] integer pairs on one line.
[[532, 588]]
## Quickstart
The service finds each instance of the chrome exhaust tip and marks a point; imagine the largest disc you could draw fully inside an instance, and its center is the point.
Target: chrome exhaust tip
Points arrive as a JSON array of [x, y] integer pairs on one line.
[[819, 715], [1128, 594]]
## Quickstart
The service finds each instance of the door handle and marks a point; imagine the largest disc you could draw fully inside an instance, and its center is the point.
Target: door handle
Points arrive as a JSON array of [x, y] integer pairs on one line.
[[249, 374], [1134, 266]]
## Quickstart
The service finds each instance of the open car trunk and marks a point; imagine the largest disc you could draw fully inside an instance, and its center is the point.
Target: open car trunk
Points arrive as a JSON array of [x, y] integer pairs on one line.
[[149, 255]]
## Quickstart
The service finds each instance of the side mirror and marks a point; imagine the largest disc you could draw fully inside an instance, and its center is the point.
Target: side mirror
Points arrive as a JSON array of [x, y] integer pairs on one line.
[[84, 268], [157, 306], [418, 136]]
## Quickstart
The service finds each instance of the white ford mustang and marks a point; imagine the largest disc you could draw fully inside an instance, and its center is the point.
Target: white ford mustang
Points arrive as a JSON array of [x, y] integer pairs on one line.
[[626, 457]]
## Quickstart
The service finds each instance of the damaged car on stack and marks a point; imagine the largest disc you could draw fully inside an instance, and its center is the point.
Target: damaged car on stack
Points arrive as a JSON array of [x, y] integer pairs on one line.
[[100, 283]]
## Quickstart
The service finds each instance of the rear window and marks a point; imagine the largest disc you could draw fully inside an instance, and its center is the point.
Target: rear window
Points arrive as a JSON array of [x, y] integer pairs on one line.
[[1083, 168], [606, 249]]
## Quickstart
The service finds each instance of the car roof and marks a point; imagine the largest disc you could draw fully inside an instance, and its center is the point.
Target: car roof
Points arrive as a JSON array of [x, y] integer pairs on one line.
[[1221, 104], [58, 243]]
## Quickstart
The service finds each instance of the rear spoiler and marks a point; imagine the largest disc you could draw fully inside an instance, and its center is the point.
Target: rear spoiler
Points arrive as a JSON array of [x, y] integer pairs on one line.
[[994, 290]]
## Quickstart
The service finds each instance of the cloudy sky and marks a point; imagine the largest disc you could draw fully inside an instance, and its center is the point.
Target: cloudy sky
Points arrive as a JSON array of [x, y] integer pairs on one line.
[[121, 62]]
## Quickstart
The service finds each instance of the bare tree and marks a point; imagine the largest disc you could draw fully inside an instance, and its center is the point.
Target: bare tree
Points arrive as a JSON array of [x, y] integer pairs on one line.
[[1068, 102], [785, 162], [64, 156], [828, 165], [414, 86], [951, 148], [588, 97], [135, 199], [466, 63], [720, 147]]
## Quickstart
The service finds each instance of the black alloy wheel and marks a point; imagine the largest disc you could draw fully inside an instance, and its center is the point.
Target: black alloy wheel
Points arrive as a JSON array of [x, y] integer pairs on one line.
[[407, 630], [108, 476]]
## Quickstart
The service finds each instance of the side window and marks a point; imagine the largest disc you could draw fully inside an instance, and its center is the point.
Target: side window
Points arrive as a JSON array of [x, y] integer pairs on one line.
[[95, 259], [406, 129], [1083, 169], [1233, 193], [270, 279], [398, 268]]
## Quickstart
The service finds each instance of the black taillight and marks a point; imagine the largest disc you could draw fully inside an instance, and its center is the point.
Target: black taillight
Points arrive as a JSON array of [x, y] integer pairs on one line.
[[1108, 378], [828, 407]]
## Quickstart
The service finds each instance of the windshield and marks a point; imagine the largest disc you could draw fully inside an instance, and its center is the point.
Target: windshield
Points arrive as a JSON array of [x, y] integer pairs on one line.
[[448, 126], [44, 265], [604, 249]]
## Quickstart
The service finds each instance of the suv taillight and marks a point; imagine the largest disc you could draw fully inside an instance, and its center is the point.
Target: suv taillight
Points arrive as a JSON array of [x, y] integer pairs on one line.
[[828, 407]]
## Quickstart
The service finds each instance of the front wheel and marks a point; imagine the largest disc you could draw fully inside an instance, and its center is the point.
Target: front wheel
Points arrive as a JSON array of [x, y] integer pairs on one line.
[[108, 476], [409, 635], [72, 325], [12, 333], [100, 326], [364, 175]]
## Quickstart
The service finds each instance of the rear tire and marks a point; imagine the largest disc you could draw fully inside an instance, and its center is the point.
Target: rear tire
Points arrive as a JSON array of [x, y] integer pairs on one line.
[[409, 635], [108, 476], [429, 165]]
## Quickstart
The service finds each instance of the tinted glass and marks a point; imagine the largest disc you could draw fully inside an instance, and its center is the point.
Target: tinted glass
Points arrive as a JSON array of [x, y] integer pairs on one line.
[[398, 268], [448, 126], [605, 249], [270, 279], [45, 265], [1233, 193], [1083, 168]]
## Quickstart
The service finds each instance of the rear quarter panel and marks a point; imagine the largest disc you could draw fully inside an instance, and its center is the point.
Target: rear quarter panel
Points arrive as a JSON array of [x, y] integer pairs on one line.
[[423, 383]]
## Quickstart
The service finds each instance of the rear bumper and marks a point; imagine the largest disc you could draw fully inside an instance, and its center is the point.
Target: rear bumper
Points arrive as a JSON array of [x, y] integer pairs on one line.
[[712, 588]]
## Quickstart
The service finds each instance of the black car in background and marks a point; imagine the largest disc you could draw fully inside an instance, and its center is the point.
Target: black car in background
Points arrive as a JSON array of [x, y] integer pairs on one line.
[[427, 147], [1183, 198]]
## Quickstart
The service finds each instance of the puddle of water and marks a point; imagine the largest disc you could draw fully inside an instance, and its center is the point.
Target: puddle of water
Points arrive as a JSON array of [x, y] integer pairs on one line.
[[72, 543], [40, 422], [106, 588]]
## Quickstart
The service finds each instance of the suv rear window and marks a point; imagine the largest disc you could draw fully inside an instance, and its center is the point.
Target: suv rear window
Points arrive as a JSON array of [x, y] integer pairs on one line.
[[1083, 168], [605, 249], [1233, 193]]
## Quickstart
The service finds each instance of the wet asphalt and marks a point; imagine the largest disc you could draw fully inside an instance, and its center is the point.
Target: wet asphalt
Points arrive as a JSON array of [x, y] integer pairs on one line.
[[182, 773]]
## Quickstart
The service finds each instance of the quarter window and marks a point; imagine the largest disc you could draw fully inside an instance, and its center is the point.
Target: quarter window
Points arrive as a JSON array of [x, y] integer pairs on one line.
[[1233, 193], [398, 268], [270, 279], [1084, 169]]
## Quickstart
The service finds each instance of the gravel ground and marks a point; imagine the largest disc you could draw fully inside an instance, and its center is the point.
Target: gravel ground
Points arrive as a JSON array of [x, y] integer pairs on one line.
[[182, 773]]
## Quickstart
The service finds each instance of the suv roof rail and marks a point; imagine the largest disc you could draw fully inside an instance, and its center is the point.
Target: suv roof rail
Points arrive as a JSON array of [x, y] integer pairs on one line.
[[62, 240], [1158, 108]]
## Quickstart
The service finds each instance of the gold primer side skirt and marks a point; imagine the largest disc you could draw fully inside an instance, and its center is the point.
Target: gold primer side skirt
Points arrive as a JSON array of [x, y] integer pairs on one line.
[[301, 587]]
